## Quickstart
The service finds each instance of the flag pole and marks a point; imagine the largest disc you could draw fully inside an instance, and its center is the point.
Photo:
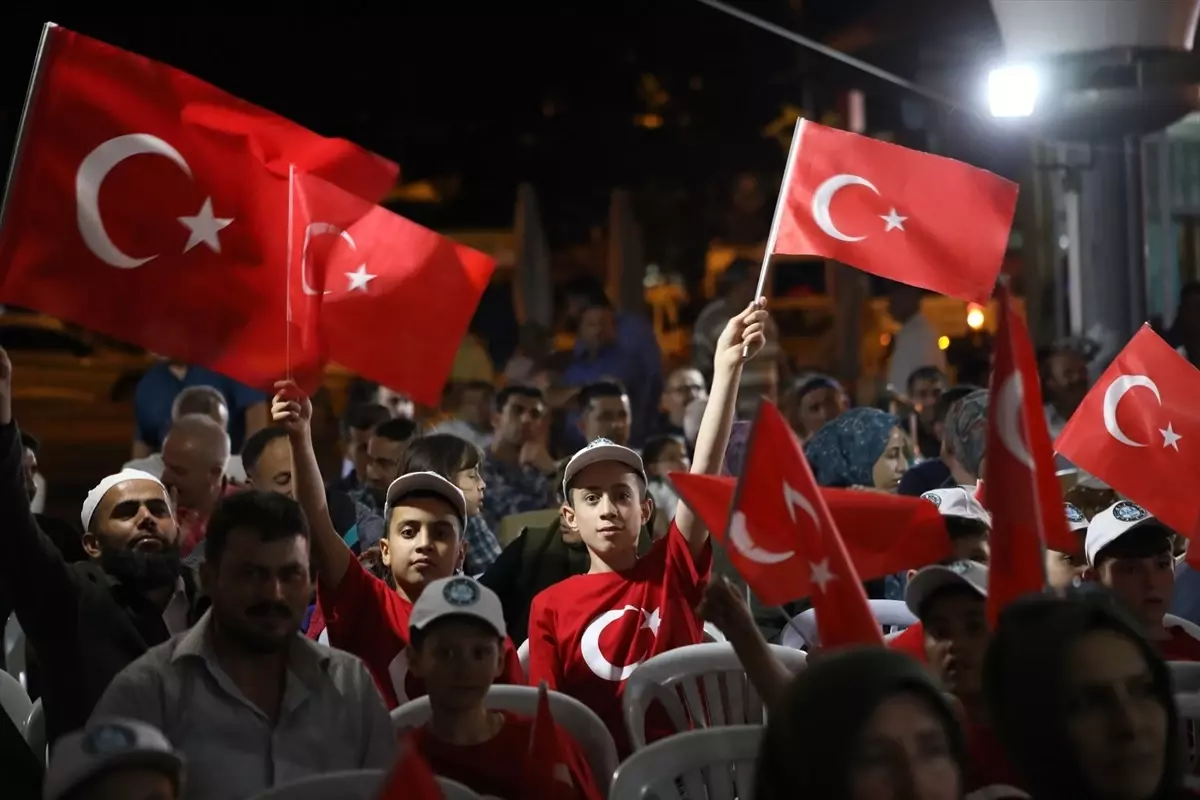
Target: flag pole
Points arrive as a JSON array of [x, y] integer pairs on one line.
[[288, 289], [780, 207], [35, 81]]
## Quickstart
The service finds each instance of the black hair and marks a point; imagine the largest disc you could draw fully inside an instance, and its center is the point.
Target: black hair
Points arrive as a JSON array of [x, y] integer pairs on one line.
[[205, 400], [257, 442], [30, 442], [443, 453], [363, 417], [399, 429], [655, 446], [926, 373], [963, 527], [586, 289], [417, 636], [1145, 541], [532, 392], [272, 516], [598, 390], [948, 398]]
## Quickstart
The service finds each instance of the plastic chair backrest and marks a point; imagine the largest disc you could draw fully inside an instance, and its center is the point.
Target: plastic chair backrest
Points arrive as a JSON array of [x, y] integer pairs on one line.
[[712, 633], [15, 700], [587, 729], [892, 615], [717, 764], [1185, 675], [35, 731], [523, 657], [700, 686], [14, 649]]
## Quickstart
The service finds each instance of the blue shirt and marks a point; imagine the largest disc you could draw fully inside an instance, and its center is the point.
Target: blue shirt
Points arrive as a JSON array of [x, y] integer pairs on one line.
[[159, 387], [619, 363], [1185, 602]]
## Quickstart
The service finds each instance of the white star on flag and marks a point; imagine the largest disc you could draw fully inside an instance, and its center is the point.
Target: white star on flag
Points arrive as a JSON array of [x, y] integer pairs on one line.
[[204, 228], [894, 221], [820, 575], [359, 278], [1170, 437]]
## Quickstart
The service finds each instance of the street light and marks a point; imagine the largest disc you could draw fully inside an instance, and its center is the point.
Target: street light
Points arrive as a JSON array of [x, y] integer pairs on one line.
[[1013, 91]]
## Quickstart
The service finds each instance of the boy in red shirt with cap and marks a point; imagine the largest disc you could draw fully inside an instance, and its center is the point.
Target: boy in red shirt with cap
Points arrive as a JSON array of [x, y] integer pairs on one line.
[[589, 632]]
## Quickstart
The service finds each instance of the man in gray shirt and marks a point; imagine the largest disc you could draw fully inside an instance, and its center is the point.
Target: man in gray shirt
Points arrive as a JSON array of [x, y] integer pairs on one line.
[[247, 700]]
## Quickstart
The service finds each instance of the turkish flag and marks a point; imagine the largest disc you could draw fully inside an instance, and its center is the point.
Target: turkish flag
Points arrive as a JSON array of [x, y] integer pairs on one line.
[[411, 778], [546, 771], [912, 217], [389, 299], [781, 536], [1022, 488], [150, 206], [1138, 430], [883, 533]]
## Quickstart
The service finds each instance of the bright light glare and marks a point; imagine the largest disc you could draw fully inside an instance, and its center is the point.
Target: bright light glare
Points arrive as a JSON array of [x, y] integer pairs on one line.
[[974, 317], [943, 343], [1012, 91]]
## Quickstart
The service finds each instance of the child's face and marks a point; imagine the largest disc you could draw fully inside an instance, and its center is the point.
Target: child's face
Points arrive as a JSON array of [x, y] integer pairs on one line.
[[472, 486], [423, 543], [458, 659], [609, 507]]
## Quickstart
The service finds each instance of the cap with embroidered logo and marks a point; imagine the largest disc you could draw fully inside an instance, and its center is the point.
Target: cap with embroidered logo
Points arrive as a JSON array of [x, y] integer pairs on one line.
[[958, 501], [430, 482], [1114, 522], [104, 745], [934, 578], [597, 451], [459, 596], [1076, 521]]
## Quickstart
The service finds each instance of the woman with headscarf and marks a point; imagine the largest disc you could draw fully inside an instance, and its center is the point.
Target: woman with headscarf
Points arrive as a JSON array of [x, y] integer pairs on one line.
[[812, 400], [862, 724], [1082, 703], [862, 448]]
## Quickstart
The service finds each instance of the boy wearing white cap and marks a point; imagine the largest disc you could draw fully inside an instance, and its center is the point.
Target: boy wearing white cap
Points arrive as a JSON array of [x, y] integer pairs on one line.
[[87, 621], [588, 632], [424, 515], [1065, 569], [1131, 553], [457, 638], [114, 759]]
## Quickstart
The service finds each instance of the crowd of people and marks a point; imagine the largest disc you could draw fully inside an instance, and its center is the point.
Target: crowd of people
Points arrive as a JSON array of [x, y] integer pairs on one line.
[[230, 619]]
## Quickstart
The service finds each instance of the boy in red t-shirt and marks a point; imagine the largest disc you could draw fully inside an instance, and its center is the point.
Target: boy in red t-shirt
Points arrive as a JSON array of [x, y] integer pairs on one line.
[[424, 515], [1131, 553], [589, 632], [457, 643]]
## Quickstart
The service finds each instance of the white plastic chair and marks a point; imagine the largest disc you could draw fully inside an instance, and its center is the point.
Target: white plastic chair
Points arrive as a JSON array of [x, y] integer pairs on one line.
[[35, 731], [1185, 675], [892, 615], [587, 729], [15, 700], [712, 633], [717, 764], [14, 649], [712, 682], [523, 657], [357, 784]]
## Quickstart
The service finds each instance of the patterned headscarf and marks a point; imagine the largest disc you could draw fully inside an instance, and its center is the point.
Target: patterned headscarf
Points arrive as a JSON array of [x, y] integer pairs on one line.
[[844, 450], [966, 430]]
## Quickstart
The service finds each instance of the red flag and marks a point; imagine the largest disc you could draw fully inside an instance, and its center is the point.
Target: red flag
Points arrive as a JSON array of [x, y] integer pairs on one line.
[[547, 772], [781, 535], [384, 279], [1140, 425], [144, 205], [913, 217], [884, 533], [1022, 488], [411, 778]]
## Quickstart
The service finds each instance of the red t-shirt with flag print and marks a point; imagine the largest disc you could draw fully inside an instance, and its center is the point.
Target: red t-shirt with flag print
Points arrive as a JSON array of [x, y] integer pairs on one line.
[[368, 618], [499, 766], [589, 632]]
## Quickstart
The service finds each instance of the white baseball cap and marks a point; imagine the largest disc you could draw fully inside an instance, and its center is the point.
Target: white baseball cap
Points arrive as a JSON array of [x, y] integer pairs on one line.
[[970, 574], [92, 501], [105, 745], [1076, 521], [959, 501], [599, 450], [1114, 522], [458, 596], [426, 482]]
